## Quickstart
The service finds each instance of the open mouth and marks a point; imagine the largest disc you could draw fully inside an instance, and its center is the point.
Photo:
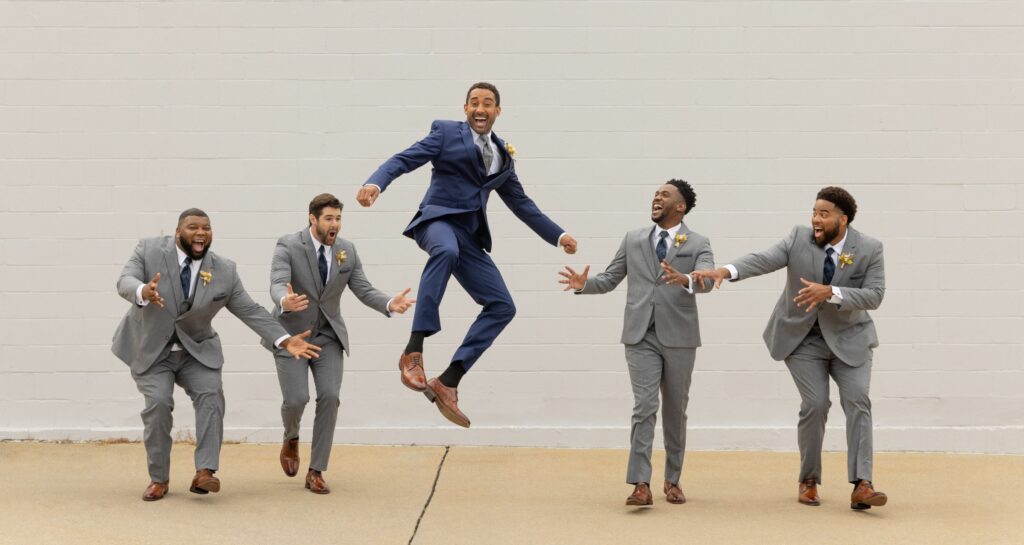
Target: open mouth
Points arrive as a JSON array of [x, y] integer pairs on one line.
[[818, 232], [198, 246], [656, 207], [480, 120], [331, 234]]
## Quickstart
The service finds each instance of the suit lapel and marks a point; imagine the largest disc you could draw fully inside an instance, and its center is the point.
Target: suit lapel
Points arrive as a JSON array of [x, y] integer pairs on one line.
[[474, 152], [817, 258], [652, 261], [848, 248], [202, 288], [506, 159], [310, 251], [171, 261], [683, 230], [332, 271]]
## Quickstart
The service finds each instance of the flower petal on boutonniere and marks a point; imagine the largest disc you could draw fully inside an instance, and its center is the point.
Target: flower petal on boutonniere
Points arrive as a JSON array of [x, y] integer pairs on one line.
[[845, 259], [511, 150], [680, 239], [207, 277], [341, 256]]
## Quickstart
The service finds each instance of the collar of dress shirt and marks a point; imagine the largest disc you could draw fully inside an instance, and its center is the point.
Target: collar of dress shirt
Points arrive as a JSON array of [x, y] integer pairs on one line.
[[181, 258], [671, 232], [838, 247], [316, 242], [476, 139]]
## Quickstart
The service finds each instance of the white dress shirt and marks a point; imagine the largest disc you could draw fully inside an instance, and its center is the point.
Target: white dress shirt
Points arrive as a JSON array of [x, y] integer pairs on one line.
[[837, 294]]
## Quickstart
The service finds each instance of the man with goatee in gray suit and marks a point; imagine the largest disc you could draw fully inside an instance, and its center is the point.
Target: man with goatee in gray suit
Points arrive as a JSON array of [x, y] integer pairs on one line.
[[176, 286], [821, 328], [309, 272], [661, 330]]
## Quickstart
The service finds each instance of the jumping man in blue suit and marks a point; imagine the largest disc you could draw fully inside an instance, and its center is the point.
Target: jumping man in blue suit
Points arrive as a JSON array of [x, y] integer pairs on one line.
[[469, 162]]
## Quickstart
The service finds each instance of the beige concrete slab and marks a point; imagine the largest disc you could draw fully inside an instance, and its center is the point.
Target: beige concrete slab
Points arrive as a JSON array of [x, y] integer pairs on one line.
[[523, 496], [90, 493]]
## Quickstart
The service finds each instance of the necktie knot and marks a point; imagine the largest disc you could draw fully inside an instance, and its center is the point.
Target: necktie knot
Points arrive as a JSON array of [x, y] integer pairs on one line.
[[830, 251]]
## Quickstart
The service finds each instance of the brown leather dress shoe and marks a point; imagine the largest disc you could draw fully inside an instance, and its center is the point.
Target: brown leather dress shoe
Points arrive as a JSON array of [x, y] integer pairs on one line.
[[674, 494], [447, 401], [155, 491], [808, 494], [411, 366], [865, 497], [315, 482], [204, 482], [641, 495], [290, 457]]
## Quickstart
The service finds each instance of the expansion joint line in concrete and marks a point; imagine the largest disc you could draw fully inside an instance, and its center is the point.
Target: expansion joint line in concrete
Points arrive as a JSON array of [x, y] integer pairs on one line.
[[431, 496]]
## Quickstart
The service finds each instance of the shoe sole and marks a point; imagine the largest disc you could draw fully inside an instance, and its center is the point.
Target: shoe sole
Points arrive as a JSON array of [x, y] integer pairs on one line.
[[675, 502], [210, 487], [634, 503], [871, 502], [811, 503], [452, 417], [310, 488]]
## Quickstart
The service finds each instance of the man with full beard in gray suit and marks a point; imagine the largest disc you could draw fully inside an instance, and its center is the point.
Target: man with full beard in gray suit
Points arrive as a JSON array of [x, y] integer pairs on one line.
[[166, 337], [821, 328], [661, 330]]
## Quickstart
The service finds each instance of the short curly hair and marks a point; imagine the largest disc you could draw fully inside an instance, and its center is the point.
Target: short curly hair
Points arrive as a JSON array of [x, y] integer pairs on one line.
[[687, 192], [841, 198]]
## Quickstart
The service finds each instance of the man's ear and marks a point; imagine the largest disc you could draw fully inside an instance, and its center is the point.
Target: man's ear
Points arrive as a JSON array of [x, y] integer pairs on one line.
[[312, 220]]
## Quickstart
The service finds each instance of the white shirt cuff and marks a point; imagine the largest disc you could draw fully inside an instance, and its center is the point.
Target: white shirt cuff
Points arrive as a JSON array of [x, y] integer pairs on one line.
[[281, 304], [559, 242], [387, 308], [138, 296], [689, 284], [837, 296], [278, 342], [733, 273]]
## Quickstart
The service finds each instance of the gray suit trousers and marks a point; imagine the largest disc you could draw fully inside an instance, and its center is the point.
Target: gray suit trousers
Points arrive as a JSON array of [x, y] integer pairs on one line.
[[293, 375], [203, 385], [810, 365], [653, 368]]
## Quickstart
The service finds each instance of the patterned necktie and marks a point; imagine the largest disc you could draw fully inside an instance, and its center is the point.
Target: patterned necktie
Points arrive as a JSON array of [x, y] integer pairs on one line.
[[186, 276], [830, 266], [323, 265], [488, 154], [662, 248]]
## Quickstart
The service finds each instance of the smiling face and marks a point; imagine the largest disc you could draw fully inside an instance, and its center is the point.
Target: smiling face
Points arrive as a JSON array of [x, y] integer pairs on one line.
[[482, 110], [195, 235], [828, 222], [668, 206], [327, 225]]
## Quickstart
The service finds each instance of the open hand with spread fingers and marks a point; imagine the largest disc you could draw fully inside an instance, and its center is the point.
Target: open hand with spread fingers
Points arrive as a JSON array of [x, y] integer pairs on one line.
[[572, 279], [812, 294], [150, 293], [716, 275], [297, 346]]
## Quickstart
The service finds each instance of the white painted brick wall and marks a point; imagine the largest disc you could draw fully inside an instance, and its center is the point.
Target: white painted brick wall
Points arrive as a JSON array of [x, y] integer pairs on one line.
[[114, 116]]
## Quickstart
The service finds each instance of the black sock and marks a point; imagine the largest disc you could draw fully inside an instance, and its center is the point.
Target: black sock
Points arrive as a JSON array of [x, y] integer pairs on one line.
[[452, 375], [415, 342]]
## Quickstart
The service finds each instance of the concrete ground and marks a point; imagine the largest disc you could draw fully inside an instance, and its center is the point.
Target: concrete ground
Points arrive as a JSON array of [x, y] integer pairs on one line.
[[90, 493]]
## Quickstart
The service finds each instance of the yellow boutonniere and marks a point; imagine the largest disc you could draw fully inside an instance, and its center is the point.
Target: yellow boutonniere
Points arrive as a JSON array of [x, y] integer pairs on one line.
[[510, 149], [207, 277], [845, 259], [341, 256], [680, 239]]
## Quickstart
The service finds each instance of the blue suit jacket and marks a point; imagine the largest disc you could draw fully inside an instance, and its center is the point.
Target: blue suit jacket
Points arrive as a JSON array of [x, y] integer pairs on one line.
[[459, 184]]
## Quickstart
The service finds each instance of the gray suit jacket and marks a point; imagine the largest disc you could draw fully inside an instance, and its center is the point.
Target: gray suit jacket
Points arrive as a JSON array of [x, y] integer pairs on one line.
[[647, 297], [847, 328], [144, 331], [295, 262]]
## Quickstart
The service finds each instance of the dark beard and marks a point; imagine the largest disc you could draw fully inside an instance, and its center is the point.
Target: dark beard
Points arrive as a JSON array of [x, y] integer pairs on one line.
[[829, 235], [187, 248]]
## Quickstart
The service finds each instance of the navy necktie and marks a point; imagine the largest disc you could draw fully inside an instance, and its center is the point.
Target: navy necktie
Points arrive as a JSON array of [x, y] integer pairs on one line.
[[830, 266], [186, 276], [323, 266], [662, 248]]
